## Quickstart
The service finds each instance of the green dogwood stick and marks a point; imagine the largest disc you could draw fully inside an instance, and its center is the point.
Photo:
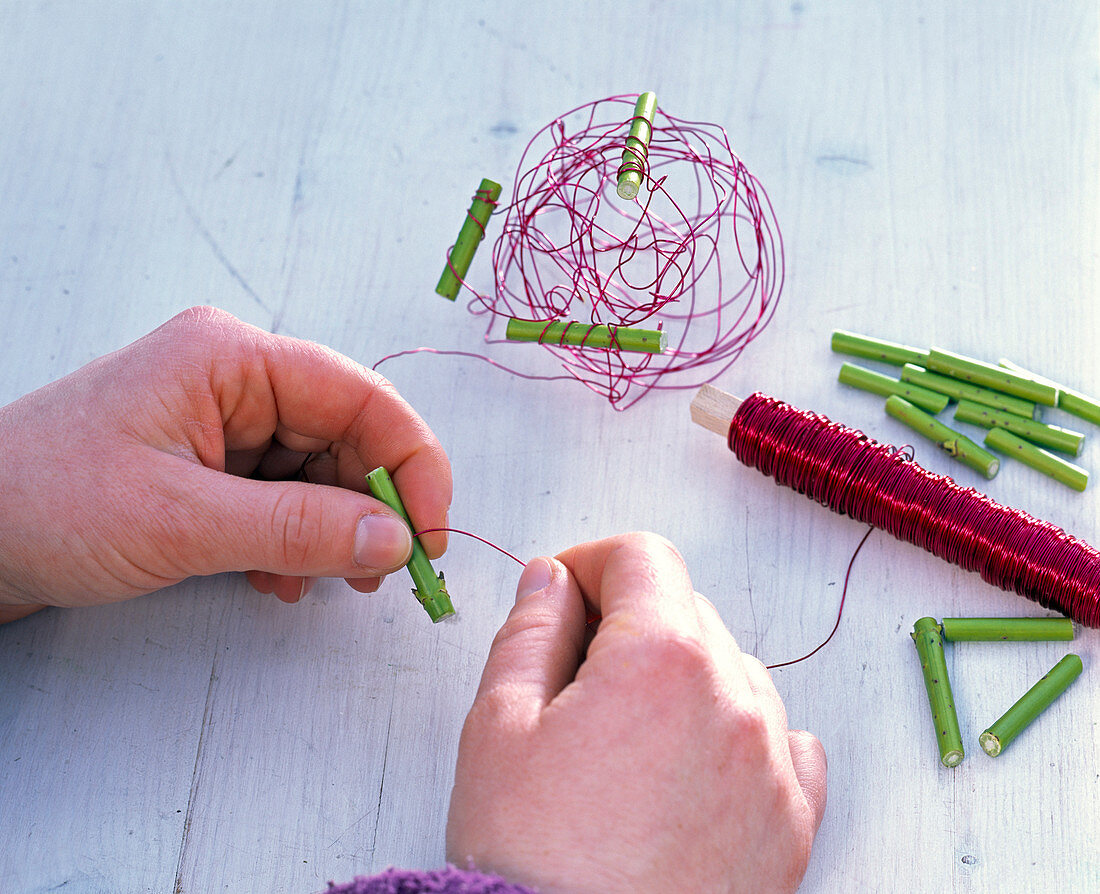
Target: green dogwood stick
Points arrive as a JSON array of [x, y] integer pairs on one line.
[[933, 663], [1030, 705], [917, 375], [990, 376], [469, 236], [1073, 402], [844, 342], [1053, 437], [431, 591], [947, 439], [877, 383], [1002, 440], [587, 335], [1006, 629], [636, 152]]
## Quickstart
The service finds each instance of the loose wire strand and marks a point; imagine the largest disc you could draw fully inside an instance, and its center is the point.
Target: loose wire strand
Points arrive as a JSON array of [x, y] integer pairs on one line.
[[839, 610], [499, 549]]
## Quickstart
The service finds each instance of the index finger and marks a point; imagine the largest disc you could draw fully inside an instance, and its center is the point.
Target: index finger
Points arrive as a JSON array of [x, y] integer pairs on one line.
[[264, 382], [640, 586], [638, 580]]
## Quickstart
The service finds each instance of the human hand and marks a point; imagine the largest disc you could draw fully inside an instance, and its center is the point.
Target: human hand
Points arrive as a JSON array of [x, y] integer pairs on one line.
[[659, 761], [128, 475]]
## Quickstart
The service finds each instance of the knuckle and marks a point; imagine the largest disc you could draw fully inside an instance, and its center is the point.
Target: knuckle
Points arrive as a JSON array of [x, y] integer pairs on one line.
[[375, 394], [523, 625], [487, 710], [755, 663], [297, 528], [753, 729], [676, 656], [682, 668], [195, 332], [748, 741], [497, 716], [654, 544], [202, 316], [655, 557]]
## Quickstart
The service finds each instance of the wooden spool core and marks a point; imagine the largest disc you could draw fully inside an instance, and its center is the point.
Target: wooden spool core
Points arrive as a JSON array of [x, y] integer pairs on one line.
[[713, 409]]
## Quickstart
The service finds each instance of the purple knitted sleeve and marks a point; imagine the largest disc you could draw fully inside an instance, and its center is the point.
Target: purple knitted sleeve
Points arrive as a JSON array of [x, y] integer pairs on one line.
[[436, 881]]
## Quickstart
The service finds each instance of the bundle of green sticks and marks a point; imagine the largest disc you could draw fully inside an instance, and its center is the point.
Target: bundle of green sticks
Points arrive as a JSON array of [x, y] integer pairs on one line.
[[929, 636], [1003, 398]]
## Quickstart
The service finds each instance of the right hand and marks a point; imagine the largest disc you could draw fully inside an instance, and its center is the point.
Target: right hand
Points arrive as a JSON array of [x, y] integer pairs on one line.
[[658, 761]]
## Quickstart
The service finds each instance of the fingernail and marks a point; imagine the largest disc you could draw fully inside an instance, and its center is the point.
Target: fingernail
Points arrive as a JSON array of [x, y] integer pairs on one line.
[[382, 542], [536, 576]]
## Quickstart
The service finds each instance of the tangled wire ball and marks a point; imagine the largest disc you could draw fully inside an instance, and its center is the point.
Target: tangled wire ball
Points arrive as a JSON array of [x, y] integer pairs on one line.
[[698, 254]]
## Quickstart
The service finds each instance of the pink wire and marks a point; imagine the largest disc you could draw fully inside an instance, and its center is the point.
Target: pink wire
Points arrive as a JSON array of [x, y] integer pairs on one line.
[[839, 610], [500, 549], [699, 256]]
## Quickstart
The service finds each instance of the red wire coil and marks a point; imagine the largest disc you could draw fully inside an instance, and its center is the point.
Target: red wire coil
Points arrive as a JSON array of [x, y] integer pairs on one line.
[[881, 485]]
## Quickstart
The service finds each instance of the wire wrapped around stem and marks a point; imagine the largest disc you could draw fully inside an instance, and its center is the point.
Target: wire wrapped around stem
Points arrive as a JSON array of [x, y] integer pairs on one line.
[[700, 257]]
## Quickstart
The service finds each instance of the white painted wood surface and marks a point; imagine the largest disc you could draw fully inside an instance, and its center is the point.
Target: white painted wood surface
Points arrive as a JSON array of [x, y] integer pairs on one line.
[[934, 168]]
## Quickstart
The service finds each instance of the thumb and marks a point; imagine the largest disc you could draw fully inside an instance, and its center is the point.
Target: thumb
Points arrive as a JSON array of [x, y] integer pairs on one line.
[[288, 528], [537, 650]]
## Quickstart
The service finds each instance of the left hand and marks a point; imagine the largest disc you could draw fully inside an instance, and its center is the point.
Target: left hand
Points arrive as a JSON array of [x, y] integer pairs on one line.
[[131, 473]]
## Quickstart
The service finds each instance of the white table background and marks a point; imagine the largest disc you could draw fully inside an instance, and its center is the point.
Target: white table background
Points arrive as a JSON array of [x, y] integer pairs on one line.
[[934, 168]]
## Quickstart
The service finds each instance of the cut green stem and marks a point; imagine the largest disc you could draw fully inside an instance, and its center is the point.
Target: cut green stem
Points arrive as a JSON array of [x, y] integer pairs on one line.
[[844, 342], [469, 237], [989, 376], [431, 591], [965, 391], [1030, 705], [929, 643], [587, 335], [877, 383], [634, 165], [1006, 629], [1073, 402], [1053, 437], [947, 439], [1041, 460]]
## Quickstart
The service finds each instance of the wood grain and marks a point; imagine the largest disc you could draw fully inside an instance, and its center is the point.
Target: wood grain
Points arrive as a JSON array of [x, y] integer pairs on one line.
[[935, 169]]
